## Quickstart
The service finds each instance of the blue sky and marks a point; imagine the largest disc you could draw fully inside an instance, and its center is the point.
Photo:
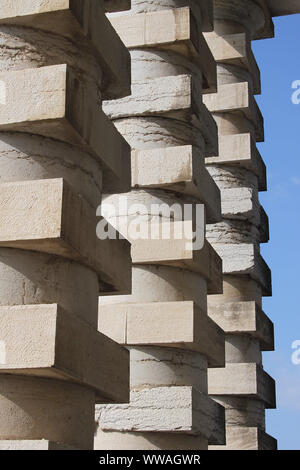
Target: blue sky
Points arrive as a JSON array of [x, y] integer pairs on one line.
[[279, 62]]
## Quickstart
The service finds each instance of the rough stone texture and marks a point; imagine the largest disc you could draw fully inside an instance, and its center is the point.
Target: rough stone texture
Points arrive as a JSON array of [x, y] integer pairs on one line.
[[58, 152]]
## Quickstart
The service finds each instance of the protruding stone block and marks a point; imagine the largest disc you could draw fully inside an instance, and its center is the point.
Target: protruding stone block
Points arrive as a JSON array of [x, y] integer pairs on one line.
[[82, 22], [173, 30], [244, 380], [235, 49], [48, 216], [245, 259], [42, 340], [237, 97], [179, 325], [166, 409], [244, 318], [240, 150], [179, 169], [179, 98], [50, 101], [177, 253]]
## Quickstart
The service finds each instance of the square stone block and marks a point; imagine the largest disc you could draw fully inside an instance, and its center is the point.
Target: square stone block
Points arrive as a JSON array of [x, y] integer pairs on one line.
[[176, 30], [50, 101], [181, 410], [240, 150], [179, 325], [48, 216], [244, 380], [178, 98], [82, 22], [180, 169], [244, 318], [42, 340], [237, 98]]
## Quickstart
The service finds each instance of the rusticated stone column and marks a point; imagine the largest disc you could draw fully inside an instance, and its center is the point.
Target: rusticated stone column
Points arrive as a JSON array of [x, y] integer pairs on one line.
[[164, 323], [58, 151], [242, 387]]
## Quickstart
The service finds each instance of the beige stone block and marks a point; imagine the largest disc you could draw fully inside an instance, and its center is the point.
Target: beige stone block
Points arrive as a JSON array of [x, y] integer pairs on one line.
[[244, 380], [235, 49], [241, 204], [237, 98], [182, 410], [175, 30], [179, 169], [245, 259], [240, 150], [47, 216], [176, 253], [50, 101], [242, 438], [179, 325], [33, 445], [42, 340], [178, 97], [84, 23], [109, 440], [244, 318]]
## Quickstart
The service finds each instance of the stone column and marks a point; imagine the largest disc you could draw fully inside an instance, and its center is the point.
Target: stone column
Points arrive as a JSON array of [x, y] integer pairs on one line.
[[58, 152], [242, 387], [164, 323]]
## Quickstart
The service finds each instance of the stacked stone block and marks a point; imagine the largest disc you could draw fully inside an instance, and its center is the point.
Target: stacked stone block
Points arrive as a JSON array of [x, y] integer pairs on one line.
[[164, 322], [58, 152], [242, 387]]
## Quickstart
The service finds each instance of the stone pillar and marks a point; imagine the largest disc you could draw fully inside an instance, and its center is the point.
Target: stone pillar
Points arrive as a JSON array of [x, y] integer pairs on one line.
[[242, 387], [58, 153], [164, 323]]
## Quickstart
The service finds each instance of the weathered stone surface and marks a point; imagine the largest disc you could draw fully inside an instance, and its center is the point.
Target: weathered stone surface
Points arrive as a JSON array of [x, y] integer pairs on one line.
[[48, 216], [245, 259], [86, 24], [248, 380], [179, 325], [173, 30], [166, 409], [244, 318], [237, 97], [49, 348], [239, 150], [49, 101], [235, 49], [178, 98], [178, 169]]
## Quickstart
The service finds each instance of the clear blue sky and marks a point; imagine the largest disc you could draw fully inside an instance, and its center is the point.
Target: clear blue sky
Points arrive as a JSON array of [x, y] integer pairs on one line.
[[279, 62]]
